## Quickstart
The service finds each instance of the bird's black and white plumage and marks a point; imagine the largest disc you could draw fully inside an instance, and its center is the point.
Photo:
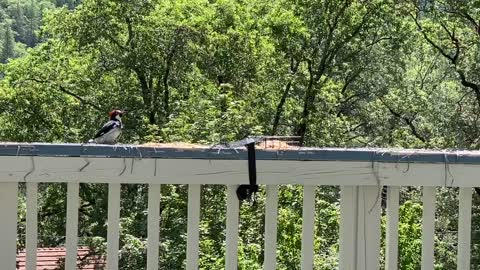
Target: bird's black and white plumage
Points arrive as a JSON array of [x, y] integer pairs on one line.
[[110, 132]]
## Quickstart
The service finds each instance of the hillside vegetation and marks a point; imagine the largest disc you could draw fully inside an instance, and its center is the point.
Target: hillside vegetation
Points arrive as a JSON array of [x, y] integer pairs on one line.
[[344, 73]]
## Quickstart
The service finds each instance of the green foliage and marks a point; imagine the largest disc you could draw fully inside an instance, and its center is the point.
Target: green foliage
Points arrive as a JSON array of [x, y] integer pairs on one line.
[[410, 234], [337, 73], [24, 19], [7, 45]]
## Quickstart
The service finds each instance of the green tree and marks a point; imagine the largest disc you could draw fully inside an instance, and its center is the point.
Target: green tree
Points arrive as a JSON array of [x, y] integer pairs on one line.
[[341, 74], [8, 45], [19, 23]]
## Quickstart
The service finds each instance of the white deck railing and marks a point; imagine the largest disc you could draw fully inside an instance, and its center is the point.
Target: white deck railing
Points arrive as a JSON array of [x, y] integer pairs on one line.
[[360, 231]]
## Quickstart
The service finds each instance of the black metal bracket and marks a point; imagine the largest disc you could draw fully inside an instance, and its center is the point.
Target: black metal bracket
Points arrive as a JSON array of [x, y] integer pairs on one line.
[[247, 192]]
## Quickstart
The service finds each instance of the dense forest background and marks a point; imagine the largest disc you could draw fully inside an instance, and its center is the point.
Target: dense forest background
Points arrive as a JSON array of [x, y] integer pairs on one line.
[[343, 73]]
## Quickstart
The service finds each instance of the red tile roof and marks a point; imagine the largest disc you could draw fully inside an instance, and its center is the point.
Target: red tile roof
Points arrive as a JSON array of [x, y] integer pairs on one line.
[[53, 259]]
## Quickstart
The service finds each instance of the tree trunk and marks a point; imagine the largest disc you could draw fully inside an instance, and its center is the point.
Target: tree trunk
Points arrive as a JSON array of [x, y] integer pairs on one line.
[[147, 98], [286, 91], [166, 90], [307, 106]]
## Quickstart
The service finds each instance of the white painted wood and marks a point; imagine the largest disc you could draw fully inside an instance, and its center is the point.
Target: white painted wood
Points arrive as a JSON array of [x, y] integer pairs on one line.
[[113, 230], [359, 228], [368, 243], [271, 219], [308, 222], [231, 256], [184, 171], [428, 228], [348, 225], [72, 226], [464, 228], [233, 172], [153, 227], [393, 196], [8, 224], [32, 227], [193, 226]]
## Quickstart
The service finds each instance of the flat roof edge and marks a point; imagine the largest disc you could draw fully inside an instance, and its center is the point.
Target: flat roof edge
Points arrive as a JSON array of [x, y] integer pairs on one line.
[[303, 154]]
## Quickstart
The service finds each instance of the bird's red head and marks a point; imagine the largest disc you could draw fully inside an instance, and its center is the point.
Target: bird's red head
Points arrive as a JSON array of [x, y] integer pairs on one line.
[[116, 114]]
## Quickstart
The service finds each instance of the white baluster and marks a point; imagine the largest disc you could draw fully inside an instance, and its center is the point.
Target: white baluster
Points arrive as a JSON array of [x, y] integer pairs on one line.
[[8, 224], [464, 228], [393, 193], [113, 230], [72, 226], [308, 218], [32, 226], [271, 218], [428, 228], [153, 229], [193, 226], [231, 256]]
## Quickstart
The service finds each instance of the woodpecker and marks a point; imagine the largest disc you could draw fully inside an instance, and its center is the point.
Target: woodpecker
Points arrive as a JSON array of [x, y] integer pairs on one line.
[[110, 132]]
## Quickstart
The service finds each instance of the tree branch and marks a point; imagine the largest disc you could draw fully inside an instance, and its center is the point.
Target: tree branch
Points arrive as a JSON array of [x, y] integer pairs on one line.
[[407, 120], [65, 91], [433, 44], [476, 26], [81, 99], [455, 41], [454, 59]]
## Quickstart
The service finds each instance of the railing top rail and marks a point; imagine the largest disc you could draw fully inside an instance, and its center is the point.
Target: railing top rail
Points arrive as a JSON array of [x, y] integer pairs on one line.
[[205, 152]]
